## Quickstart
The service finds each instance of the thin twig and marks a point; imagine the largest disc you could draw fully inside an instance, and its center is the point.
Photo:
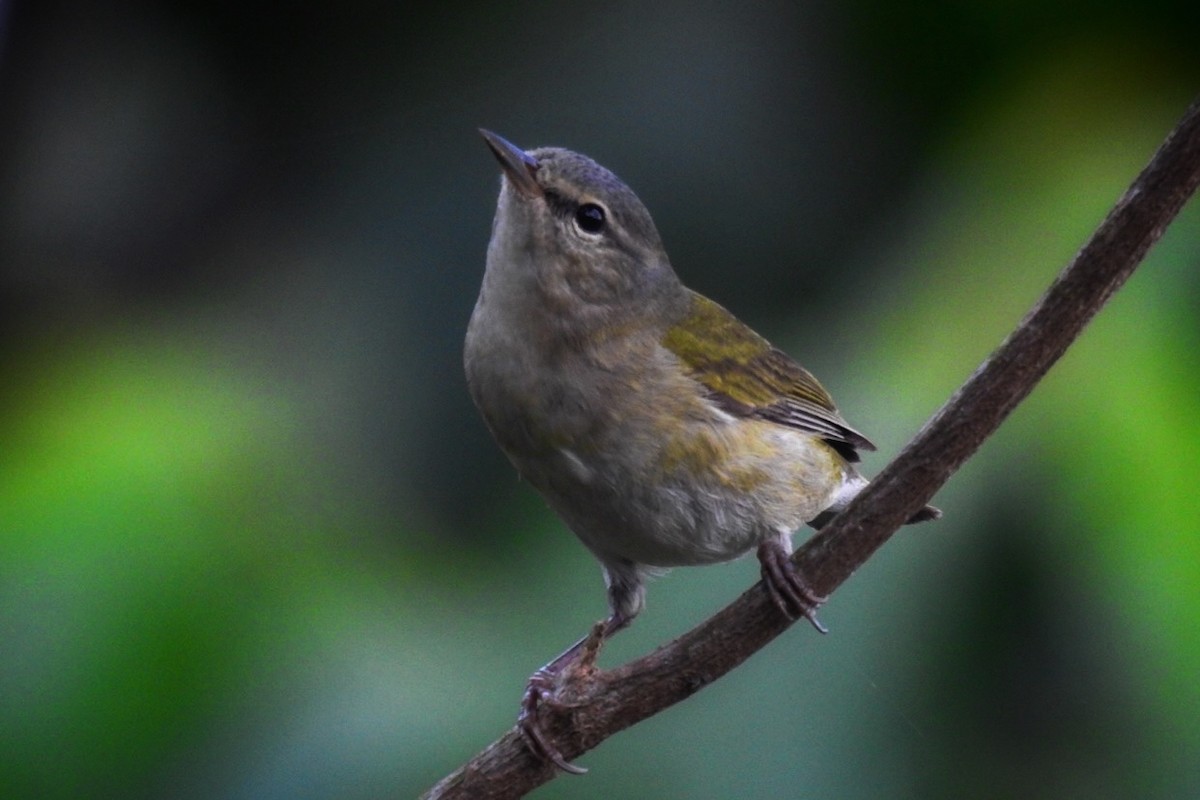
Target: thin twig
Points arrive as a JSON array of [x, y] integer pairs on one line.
[[612, 700]]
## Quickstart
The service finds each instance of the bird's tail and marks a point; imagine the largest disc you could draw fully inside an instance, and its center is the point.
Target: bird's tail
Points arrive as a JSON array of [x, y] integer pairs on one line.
[[854, 484]]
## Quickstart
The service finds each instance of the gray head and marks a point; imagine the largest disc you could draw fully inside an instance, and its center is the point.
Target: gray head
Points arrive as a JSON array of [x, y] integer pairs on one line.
[[569, 234]]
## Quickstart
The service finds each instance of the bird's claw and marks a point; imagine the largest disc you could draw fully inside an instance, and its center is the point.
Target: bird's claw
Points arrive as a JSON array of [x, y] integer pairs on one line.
[[786, 586], [538, 692]]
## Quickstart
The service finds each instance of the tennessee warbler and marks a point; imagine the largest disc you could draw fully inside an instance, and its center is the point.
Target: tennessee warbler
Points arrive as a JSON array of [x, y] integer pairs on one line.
[[664, 431]]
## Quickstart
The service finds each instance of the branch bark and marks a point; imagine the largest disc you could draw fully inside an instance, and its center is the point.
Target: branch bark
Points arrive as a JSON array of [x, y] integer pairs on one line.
[[609, 701]]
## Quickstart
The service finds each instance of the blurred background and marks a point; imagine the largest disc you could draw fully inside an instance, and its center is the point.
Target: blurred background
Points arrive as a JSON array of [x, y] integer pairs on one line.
[[255, 542]]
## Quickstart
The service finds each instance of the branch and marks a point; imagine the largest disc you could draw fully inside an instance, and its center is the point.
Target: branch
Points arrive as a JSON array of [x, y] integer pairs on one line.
[[608, 701]]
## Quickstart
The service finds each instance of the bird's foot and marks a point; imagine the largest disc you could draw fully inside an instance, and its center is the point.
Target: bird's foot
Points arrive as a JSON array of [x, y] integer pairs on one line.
[[788, 589], [543, 688], [539, 692]]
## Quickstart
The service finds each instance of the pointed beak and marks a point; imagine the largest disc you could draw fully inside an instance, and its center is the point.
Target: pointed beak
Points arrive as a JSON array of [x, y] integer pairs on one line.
[[519, 166]]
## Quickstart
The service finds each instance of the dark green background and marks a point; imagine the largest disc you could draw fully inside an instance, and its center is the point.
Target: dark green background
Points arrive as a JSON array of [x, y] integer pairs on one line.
[[255, 543]]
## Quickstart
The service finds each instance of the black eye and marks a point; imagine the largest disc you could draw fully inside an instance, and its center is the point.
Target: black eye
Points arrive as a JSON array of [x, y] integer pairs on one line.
[[590, 218]]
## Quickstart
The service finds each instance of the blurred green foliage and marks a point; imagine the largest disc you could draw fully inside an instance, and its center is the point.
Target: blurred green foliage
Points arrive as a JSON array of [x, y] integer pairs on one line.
[[255, 543]]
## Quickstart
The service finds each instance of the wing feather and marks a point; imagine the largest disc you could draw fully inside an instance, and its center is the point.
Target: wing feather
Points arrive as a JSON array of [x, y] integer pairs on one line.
[[748, 377]]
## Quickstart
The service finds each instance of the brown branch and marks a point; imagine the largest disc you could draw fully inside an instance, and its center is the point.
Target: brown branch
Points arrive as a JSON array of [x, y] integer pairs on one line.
[[612, 700]]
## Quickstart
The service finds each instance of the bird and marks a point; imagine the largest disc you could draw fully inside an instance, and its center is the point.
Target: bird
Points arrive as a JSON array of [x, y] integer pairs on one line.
[[661, 429]]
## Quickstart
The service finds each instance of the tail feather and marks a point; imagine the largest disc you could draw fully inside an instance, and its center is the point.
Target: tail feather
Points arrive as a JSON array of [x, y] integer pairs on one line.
[[854, 484], [925, 515]]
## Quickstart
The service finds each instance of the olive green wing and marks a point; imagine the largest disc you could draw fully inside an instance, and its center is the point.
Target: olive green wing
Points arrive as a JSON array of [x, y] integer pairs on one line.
[[748, 377]]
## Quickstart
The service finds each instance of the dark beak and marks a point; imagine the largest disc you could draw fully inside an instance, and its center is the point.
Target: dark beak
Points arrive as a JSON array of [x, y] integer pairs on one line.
[[519, 166]]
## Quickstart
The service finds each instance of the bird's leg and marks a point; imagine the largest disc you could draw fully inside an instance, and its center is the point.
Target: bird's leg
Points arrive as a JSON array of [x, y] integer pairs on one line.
[[544, 683], [788, 589]]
